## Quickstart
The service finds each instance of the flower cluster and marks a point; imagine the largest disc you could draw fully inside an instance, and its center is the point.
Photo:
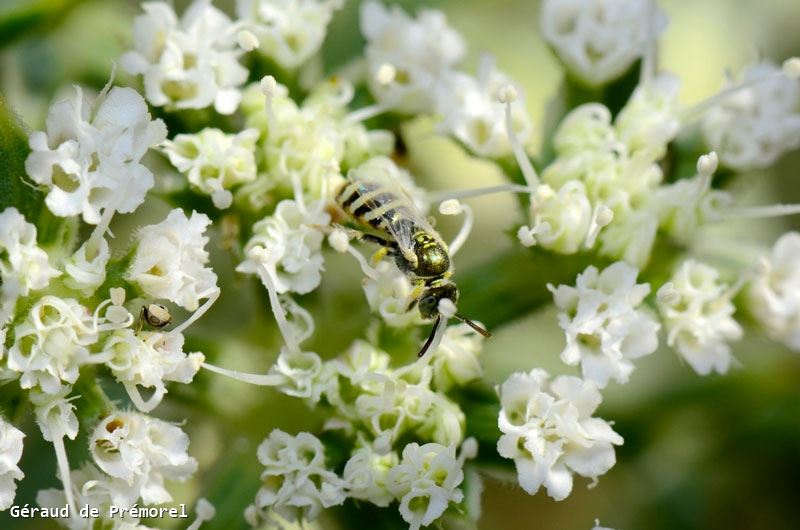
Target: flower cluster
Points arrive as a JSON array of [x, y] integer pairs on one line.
[[89, 160], [550, 433], [187, 63], [605, 329]]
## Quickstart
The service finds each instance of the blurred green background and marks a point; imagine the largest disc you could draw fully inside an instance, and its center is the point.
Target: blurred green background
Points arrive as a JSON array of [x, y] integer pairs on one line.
[[720, 452]]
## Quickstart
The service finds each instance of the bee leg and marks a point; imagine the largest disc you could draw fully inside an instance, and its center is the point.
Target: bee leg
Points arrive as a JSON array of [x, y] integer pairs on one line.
[[379, 255]]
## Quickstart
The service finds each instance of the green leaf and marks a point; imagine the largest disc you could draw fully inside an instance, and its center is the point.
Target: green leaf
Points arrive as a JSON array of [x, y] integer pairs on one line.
[[24, 18]]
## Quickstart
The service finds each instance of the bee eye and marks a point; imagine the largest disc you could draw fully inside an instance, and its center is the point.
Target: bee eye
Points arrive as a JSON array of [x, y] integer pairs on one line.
[[427, 304]]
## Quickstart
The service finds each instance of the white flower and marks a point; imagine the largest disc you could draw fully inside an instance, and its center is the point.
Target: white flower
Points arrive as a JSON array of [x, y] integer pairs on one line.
[[697, 313], [455, 362], [10, 453], [604, 325], [351, 375], [290, 31], [95, 489], [649, 120], [303, 374], [52, 343], [142, 451], [187, 63], [295, 483], [426, 482], [417, 53], [474, 116], [86, 268], [549, 432], [288, 245], [170, 260], [55, 414], [559, 220], [89, 161], [365, 474], [599, 40], [774, 292], [389, 295], [753, 127], [149, 360], [23, 265], [215, 162], [687, 204]]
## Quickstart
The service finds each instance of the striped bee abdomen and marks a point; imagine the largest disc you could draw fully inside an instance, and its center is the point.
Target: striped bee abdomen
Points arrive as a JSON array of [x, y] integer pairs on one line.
[[371, 204]]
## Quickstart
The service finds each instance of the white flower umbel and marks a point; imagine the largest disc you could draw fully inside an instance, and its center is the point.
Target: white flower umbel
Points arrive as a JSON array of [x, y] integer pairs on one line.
[[365, 474], [599, 40], [289, 31], [287, 245], [473, 115], [189, 63], [53, 342], [215, 162], [773, 293], [407, 58], [10, 454], [427, 480], [149, 360], [23, 265], [142, 451], [550, 433], [752, 127], [697, 314], [170, 260], [455, 362], [295, 483], [89, 158], [605, 325]]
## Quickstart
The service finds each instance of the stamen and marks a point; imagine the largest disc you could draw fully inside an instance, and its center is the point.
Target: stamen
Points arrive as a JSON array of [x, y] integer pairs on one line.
[[791, 69], [707, 164], [277, 309], [139, 402], [527, 236], [247, 40], [205, 512], [507, 94], [761, 212], [365, 113], [298, 312], [446, 308], [339, 241], [63, 465], [649, 56], [601, 218], [212, 295], [453, 207], [444, 195], [365, 267], [270, 88], [253, 379]]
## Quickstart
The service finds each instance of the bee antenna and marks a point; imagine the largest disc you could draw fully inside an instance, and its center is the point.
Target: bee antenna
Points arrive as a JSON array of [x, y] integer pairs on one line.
[[473, 325], [430, 338]]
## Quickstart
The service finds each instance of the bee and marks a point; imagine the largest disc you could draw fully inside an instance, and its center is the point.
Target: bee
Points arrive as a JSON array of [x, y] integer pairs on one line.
[[384, 214]]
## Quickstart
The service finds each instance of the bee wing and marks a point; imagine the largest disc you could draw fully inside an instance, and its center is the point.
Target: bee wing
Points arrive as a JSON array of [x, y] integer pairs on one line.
[[410, 219]]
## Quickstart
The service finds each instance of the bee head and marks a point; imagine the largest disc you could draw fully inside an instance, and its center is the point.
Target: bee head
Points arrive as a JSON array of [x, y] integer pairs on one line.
[[429, 301]]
